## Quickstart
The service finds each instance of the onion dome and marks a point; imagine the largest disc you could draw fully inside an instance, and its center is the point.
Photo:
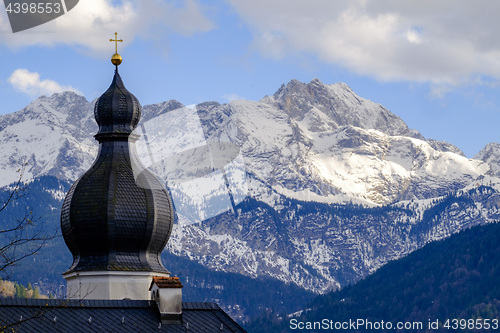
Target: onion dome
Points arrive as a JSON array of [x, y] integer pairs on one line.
[[117, 112], [118, 216]]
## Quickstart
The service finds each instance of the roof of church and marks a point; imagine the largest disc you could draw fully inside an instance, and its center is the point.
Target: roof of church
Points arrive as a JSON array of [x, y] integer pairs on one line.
[[38, 315], [117, 216]]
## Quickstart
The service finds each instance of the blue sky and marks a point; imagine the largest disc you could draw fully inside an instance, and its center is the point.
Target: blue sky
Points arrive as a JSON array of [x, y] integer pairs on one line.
[[436, 64]]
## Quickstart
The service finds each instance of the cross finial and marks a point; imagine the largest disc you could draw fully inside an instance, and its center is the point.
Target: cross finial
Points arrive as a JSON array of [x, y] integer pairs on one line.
[[116, 59], [116, 40]]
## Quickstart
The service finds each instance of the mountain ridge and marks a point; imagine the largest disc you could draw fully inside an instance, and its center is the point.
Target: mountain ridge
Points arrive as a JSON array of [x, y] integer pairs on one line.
[[304, 104], [298, 192], [296, 97]]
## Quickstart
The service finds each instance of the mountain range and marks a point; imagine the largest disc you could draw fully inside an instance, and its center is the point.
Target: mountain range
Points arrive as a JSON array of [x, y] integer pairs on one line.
[[313, 186]]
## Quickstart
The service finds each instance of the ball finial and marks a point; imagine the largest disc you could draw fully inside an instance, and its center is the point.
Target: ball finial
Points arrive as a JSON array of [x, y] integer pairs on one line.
[[116, 59]]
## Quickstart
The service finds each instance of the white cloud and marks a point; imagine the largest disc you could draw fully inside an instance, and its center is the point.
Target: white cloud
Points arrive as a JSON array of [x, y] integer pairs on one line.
[[30, 83], [90, 24], [232, 97], [413, 36], [445, 42]]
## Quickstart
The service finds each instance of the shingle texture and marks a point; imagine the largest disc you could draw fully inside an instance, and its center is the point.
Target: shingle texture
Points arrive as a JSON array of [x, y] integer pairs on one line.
[[28, 315], [117, 110], [118, 216]]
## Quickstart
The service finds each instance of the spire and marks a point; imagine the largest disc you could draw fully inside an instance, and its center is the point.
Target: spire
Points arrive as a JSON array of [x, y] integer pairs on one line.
[[117, 217]]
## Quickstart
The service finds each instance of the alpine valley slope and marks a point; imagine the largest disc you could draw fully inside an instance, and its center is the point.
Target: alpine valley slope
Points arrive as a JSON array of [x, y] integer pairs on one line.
[[313, 185]]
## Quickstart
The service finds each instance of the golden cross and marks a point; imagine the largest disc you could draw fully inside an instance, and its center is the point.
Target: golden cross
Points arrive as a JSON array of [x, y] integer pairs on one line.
[[116, 40]]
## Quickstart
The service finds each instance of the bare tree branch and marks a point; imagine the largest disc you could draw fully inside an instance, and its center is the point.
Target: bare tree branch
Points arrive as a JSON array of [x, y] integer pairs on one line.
[[21, 237]]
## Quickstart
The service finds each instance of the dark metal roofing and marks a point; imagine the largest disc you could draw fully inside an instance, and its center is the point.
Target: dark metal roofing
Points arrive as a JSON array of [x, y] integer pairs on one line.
[[36, 315], [118, 216], [117, 111]]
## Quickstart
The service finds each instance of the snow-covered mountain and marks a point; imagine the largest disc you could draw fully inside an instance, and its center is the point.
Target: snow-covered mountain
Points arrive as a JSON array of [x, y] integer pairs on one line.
[[324, 143], [313, 185], [308, 141], [52, 136]]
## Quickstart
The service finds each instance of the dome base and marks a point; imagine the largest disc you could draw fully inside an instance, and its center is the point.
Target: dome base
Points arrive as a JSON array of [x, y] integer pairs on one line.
[[110, 285]]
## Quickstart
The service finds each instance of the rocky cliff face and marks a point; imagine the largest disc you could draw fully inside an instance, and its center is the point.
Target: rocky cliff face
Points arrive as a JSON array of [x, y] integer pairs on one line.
[[490, 154], [338, 105]]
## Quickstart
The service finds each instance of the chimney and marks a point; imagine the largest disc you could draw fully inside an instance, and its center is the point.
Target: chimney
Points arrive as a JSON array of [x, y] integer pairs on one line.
[[167, 293]]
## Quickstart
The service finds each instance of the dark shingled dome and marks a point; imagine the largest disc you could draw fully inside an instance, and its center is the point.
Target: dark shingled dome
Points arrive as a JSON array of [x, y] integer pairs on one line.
[[117, 216], [117, 112]]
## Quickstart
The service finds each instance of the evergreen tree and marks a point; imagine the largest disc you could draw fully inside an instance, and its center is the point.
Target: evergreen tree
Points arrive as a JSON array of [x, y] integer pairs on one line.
[[20, 291], [36, 293]]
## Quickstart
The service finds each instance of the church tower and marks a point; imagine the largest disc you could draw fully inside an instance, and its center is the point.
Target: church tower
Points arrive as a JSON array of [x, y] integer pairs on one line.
[[116, 218]]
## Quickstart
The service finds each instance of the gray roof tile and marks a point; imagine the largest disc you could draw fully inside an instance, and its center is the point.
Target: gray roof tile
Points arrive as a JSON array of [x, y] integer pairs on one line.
[[31, 315]]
